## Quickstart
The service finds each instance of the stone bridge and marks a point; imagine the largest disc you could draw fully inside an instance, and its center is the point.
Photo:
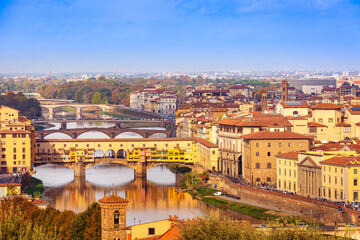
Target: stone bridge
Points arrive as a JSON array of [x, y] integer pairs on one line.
[[110, 132], [140, 168], [78, 107]]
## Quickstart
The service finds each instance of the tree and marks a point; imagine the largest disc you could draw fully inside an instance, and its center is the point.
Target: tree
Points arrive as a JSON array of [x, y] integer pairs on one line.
[[96, 98]]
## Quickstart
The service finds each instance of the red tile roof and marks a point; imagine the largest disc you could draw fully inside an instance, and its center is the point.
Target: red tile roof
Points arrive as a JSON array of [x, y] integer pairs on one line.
[[303, 105], [171, 234], [292, 155], [343, 161], [113, 199], [342, 124], [9, 184], [275, 135], [315, 124], [329, 106], [206, 143]]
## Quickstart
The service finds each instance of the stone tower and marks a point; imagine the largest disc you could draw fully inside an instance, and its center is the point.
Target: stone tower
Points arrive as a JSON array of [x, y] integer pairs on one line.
[[113, 217], [284, 90], [264, 103]]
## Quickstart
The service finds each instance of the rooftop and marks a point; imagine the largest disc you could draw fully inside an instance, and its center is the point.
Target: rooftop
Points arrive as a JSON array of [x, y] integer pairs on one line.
[[274, 135]]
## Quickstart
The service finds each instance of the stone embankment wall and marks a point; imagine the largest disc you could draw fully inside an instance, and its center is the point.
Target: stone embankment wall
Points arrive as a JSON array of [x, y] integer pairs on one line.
[[323, 212]]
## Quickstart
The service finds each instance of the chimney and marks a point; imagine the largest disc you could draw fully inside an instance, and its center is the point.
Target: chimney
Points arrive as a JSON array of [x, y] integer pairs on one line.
[[175, 217]]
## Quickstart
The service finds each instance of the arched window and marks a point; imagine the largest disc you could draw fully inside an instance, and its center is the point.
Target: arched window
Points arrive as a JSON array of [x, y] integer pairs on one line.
[[116, 219], [257, 179], [268, 165], [295, 112], [269, 180]]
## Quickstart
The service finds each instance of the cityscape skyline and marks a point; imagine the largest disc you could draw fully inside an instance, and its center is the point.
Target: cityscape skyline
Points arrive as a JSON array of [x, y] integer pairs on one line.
[[178, 36]]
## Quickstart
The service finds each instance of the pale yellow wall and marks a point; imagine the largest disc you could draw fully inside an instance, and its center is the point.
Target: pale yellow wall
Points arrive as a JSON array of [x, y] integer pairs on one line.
[[141, 230], [287, 173], [208, 156], [7, 114], [300, 125], [353, 119], [22, 146], [323, 116], [333, 179]]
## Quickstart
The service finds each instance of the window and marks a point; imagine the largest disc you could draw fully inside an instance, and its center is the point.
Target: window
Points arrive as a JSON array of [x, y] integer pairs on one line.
[[289, 144], [269, 154], [257, 165], [329, 179], [294, 173], [279, 161], [257, 154], [23, 150], [151, 231], [347, 129], [268, 165], [356, 196], [312, 129], [257, 144], [116, 219], [355, 182], [320, 120], [329, 193], [335, 180], [269, 144], [268, 179], [355, 171], [331, 120], [341, 181], [279, 171], [335, 170], [14, 156], [257, 180], [289, 173], [341, 171], [324, 179], [279, 184]]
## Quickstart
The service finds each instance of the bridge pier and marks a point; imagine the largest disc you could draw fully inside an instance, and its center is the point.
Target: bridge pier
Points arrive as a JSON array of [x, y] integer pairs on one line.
[[79, 169], [63, 125], [140, 170], [51, 113], [78, 113]]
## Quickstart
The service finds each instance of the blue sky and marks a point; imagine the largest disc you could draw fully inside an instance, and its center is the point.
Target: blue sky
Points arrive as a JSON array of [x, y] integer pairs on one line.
[[178, 35]]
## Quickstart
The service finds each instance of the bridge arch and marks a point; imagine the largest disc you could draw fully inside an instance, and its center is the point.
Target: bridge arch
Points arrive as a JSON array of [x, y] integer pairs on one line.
[[91, 134], [121, 153], [158, 135], [110, 153], [129, 134], [57, 135], [99, 153]]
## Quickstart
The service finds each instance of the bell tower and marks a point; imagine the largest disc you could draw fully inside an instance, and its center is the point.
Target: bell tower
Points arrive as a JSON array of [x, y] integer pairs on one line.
[[264, 102], [284, 90], [113, 217]]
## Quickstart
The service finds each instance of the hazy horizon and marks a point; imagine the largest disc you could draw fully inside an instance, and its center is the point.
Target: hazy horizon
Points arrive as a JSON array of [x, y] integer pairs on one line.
[[73, 36]]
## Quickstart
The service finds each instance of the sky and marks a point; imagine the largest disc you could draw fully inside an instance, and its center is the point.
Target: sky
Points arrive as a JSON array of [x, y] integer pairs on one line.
[[178, 35]]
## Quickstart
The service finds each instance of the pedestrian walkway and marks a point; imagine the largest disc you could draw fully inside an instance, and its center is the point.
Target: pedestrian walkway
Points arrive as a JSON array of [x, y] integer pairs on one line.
[[259, 205]]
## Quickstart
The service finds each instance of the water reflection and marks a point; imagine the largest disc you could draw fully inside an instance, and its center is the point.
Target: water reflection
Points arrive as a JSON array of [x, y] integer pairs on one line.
[[150, 199]]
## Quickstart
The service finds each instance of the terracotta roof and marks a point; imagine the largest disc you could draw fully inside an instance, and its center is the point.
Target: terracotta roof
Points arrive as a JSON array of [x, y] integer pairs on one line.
[[342, 124], [302, 105], [172, 233], [228, 122], [343, 161], [206, 143], [327, 106], [296, 118], [219, 109], [292, 155], [13, 131], [113, 199], [275, 135], [353, 112], [9, 184], [315, 124]]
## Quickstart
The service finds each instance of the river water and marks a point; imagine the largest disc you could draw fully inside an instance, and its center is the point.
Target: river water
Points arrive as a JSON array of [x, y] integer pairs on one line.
[[150, 199]]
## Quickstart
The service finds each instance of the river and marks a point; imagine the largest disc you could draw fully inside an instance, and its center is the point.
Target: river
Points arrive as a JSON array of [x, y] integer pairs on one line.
[[150, 199]]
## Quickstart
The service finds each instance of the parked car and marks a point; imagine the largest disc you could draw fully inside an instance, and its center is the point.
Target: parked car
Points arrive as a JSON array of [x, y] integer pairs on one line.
[[217, 194]]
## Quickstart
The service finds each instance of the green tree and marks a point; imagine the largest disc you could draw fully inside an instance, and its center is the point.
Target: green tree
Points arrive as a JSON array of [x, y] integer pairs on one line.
[[96, 98]]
